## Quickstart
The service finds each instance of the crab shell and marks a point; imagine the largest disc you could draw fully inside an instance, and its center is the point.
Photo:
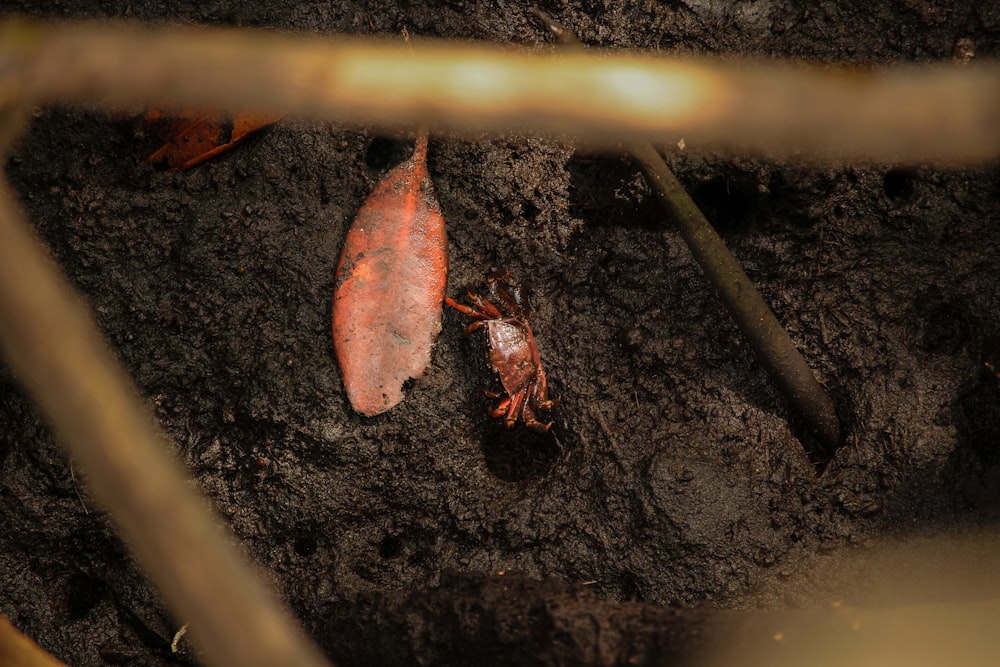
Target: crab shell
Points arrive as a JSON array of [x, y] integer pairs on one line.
[[513, 355]]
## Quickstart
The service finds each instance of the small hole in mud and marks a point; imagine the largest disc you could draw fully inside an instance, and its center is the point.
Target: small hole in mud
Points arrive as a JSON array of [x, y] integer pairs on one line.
[[819, 453], [724, 204], [82, 595], [305, 545], [518, 455], [990, 356], [390, 547], [898, 184], [945, 330], [629, 588], [610, 192], [529, 211], [385, 152], [979, 421]]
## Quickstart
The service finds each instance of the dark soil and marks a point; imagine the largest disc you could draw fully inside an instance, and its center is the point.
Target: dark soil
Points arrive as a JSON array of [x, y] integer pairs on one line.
[[674, 473]]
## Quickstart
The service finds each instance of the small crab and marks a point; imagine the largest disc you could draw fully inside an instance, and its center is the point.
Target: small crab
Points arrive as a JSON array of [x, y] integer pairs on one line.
[[512, 352]]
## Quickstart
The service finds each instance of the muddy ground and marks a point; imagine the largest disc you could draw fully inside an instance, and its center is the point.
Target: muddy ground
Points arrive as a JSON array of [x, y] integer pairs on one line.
[[674, 474]]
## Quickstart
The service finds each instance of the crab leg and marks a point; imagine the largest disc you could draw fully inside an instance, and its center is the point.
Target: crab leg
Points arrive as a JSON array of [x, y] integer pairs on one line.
[[506, 299], [487, 309], [538, 400], [501, 407], [531, 421], [481, 312], [515, 407], [540, 392], [462, 308]]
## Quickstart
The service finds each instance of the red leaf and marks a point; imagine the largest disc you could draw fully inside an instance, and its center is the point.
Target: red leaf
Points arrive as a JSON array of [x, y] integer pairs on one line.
[[390, 286]]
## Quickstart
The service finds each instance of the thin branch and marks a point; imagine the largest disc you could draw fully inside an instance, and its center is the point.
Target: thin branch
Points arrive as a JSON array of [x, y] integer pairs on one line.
[[779, 109], [766, 336], [51, 341]]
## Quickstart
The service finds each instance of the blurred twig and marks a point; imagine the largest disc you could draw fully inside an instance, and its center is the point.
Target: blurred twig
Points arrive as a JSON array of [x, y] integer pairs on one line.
[[576, 627], [51, 341], [16, 650], [779, 109]]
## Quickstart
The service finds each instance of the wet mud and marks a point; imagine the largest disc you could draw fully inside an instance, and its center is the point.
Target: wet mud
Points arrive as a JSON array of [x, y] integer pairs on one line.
[[674, 474]]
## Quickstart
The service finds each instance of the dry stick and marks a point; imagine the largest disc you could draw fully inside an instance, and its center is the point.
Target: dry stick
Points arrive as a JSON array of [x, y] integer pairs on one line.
[[767, 337], [765, 334], [51, 341], [778, 109]]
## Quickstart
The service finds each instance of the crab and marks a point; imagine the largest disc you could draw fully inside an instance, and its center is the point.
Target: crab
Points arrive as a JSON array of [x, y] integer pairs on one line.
[[512, 352]]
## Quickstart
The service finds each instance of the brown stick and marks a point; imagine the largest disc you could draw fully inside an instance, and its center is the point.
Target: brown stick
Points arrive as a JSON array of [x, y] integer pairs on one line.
[[51, 341], [775, 350]]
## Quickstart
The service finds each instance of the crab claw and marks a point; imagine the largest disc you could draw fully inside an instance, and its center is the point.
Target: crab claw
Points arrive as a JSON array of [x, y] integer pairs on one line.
[[531, 421]]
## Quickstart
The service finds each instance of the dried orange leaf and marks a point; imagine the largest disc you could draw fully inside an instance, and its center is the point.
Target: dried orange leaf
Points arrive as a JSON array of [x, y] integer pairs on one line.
[[192, 138], [390, 287]]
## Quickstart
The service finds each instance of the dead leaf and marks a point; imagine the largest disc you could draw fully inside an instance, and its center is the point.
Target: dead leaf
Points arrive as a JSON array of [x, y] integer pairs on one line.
[[390, 287]]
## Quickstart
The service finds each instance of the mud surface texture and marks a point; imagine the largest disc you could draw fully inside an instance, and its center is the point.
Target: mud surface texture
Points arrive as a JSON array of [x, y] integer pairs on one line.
[[674, 474]]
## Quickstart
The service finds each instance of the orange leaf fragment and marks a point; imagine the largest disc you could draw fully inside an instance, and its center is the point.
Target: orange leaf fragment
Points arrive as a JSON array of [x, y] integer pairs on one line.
[[390, 286], [190, 138]]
